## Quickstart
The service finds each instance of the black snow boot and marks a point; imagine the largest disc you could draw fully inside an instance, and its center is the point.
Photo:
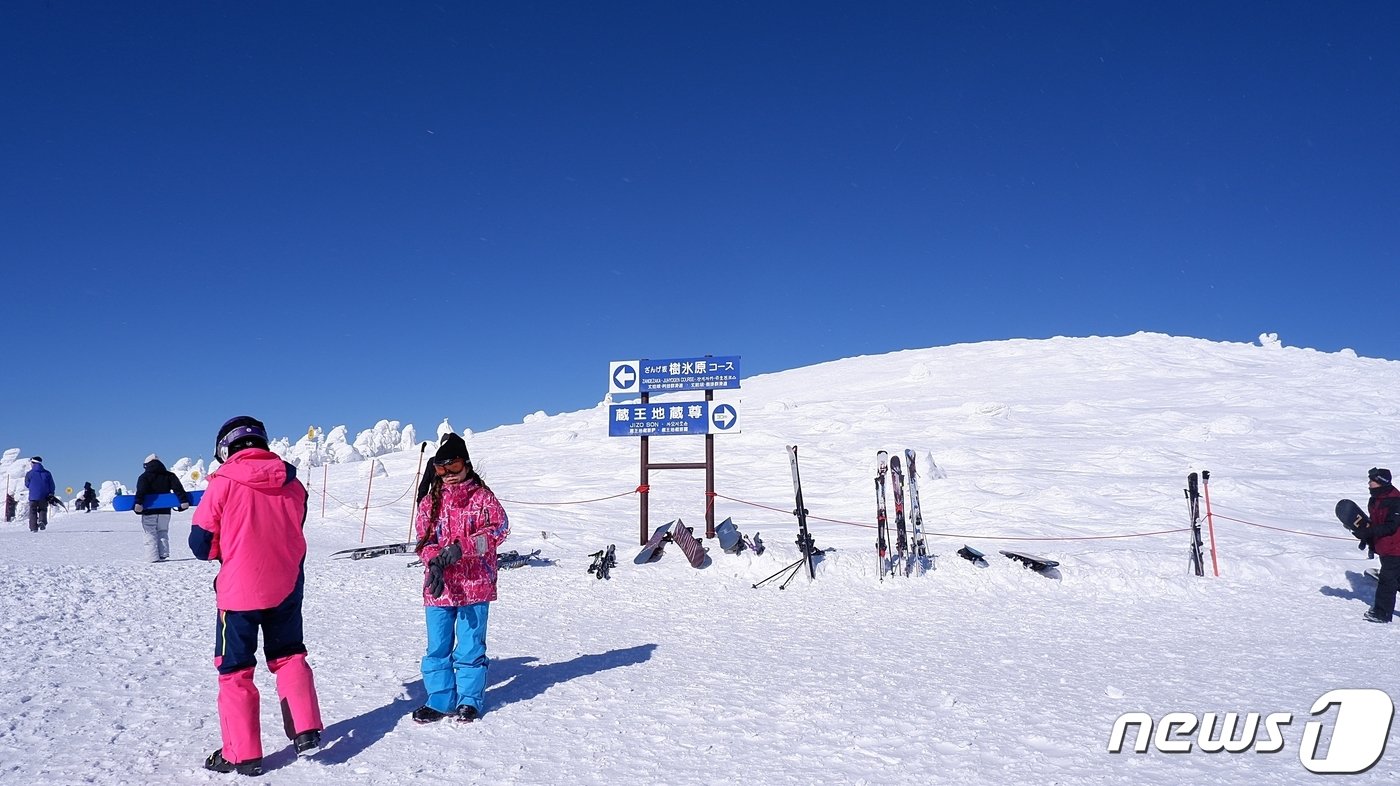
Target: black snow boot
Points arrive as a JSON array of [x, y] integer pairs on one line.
[[466, 713], [308, 742], [426, 714], [218, 763]]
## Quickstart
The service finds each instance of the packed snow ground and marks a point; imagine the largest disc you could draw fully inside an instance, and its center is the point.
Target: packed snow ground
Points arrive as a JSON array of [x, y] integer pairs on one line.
[[668, 674]]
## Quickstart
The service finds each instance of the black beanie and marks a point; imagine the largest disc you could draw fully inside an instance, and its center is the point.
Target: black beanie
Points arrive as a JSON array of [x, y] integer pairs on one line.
[[452, 447], [1379, 475]]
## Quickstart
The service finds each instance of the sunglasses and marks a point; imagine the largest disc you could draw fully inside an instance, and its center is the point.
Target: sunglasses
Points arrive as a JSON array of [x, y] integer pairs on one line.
[[453, 465]]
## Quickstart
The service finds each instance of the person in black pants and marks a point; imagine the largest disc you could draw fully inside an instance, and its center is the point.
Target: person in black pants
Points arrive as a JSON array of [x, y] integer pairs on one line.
[[1382, 534]]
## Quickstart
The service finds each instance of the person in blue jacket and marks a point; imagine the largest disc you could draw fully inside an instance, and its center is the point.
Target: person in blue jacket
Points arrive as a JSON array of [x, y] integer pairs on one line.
[[41, 487]]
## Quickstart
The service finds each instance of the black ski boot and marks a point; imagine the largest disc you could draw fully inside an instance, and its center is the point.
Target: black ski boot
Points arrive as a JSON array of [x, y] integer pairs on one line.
[[218, 763], [426, 714], [466, 713], [308, 742]]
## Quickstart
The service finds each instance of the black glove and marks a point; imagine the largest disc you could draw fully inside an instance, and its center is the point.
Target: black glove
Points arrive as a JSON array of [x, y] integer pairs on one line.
[[448, 556]]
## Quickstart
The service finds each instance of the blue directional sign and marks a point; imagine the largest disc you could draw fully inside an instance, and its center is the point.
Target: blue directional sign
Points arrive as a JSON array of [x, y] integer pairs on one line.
[[672, 418], [673, 374]]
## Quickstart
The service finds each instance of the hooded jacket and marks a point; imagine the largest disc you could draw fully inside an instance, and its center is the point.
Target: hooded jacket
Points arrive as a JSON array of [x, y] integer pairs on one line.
[[39, 483], [251, 518], [468, 509], [1383, 532], [158, 480]]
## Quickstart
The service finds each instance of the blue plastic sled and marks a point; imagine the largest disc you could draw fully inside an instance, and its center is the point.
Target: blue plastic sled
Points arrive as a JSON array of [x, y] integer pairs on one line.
[[128, 501]]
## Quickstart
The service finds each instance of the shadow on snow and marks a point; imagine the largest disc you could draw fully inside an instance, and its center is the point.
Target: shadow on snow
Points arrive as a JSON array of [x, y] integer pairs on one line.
[[1362, 588], [509, 680]]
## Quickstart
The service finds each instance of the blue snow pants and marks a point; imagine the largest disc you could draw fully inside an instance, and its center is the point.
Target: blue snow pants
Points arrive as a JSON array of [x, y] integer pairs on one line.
[[454, 668]]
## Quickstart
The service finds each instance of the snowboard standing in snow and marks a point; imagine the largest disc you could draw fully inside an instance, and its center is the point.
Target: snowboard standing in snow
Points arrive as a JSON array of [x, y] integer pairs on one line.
[[731, 541], [882, 521], [916, 517], [652, 550], [603, 562], [684, 537]]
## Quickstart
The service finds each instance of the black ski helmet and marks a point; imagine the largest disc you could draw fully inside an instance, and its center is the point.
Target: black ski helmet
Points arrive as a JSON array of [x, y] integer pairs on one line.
[[239, 433]]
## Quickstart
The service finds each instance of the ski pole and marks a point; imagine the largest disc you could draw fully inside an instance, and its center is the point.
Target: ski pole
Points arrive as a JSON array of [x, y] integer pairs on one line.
[[412, 509]]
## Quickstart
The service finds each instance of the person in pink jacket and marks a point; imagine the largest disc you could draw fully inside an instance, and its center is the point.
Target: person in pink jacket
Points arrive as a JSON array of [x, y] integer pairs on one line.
[[251, 520], [460, 524]]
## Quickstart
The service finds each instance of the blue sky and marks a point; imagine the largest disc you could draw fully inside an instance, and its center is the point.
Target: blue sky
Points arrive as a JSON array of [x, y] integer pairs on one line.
[[326, 213]]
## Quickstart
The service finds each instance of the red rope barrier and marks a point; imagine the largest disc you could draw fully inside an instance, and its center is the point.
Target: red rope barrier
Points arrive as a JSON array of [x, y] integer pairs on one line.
[[1281, 529], [572, 502], [810, 517]]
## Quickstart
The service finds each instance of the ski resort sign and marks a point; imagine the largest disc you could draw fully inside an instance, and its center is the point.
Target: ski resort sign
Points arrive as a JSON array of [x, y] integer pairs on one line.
[[661, 419], [670, 375]]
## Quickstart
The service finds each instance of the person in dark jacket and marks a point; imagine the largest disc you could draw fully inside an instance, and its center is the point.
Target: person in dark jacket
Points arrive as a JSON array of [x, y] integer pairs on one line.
[[10, 504], [87, 501], [156, 479], [40, 485], [1381, 533]]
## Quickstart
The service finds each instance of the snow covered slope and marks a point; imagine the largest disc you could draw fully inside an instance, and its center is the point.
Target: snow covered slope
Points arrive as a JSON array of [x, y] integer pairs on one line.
[[667, 674]]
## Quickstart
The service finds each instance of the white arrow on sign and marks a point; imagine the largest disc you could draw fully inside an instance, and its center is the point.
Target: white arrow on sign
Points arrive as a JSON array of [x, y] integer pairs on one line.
[[623, 376], [725, 417]]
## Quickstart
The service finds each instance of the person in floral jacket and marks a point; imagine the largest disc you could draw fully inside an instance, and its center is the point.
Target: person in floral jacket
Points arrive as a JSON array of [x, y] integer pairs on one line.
[[460, 524]]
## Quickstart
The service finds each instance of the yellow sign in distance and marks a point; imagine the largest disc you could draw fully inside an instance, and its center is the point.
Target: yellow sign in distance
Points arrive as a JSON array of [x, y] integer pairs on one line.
[[195, 476], [310, 432], [68, 490]]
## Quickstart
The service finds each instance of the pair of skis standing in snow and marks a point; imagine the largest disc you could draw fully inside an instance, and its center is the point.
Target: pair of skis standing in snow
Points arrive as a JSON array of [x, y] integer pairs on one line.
[[909, 556]]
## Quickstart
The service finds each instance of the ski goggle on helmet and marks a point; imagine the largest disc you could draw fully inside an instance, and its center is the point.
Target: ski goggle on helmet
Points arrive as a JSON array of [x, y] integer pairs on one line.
[[239, 433]]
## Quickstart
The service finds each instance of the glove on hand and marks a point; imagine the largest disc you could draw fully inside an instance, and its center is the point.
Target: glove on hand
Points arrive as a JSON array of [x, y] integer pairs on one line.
[[448, 556], [138, 508], [184, 506]]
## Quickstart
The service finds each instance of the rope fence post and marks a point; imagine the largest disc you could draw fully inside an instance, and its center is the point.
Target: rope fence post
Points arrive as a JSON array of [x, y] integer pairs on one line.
[[325, 473], [1210, 522], [368, 486], [417, 476]]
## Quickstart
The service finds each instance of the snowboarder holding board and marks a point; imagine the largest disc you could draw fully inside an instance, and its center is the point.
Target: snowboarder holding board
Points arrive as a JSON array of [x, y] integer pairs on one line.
[[155, 522], [1382, 534], [460, 524], [251, 520]]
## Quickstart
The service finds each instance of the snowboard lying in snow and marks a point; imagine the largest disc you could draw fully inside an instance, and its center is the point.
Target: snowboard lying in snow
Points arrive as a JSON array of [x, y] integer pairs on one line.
[[974, 556], [1038, 564], [123, 502], [366, 552]]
